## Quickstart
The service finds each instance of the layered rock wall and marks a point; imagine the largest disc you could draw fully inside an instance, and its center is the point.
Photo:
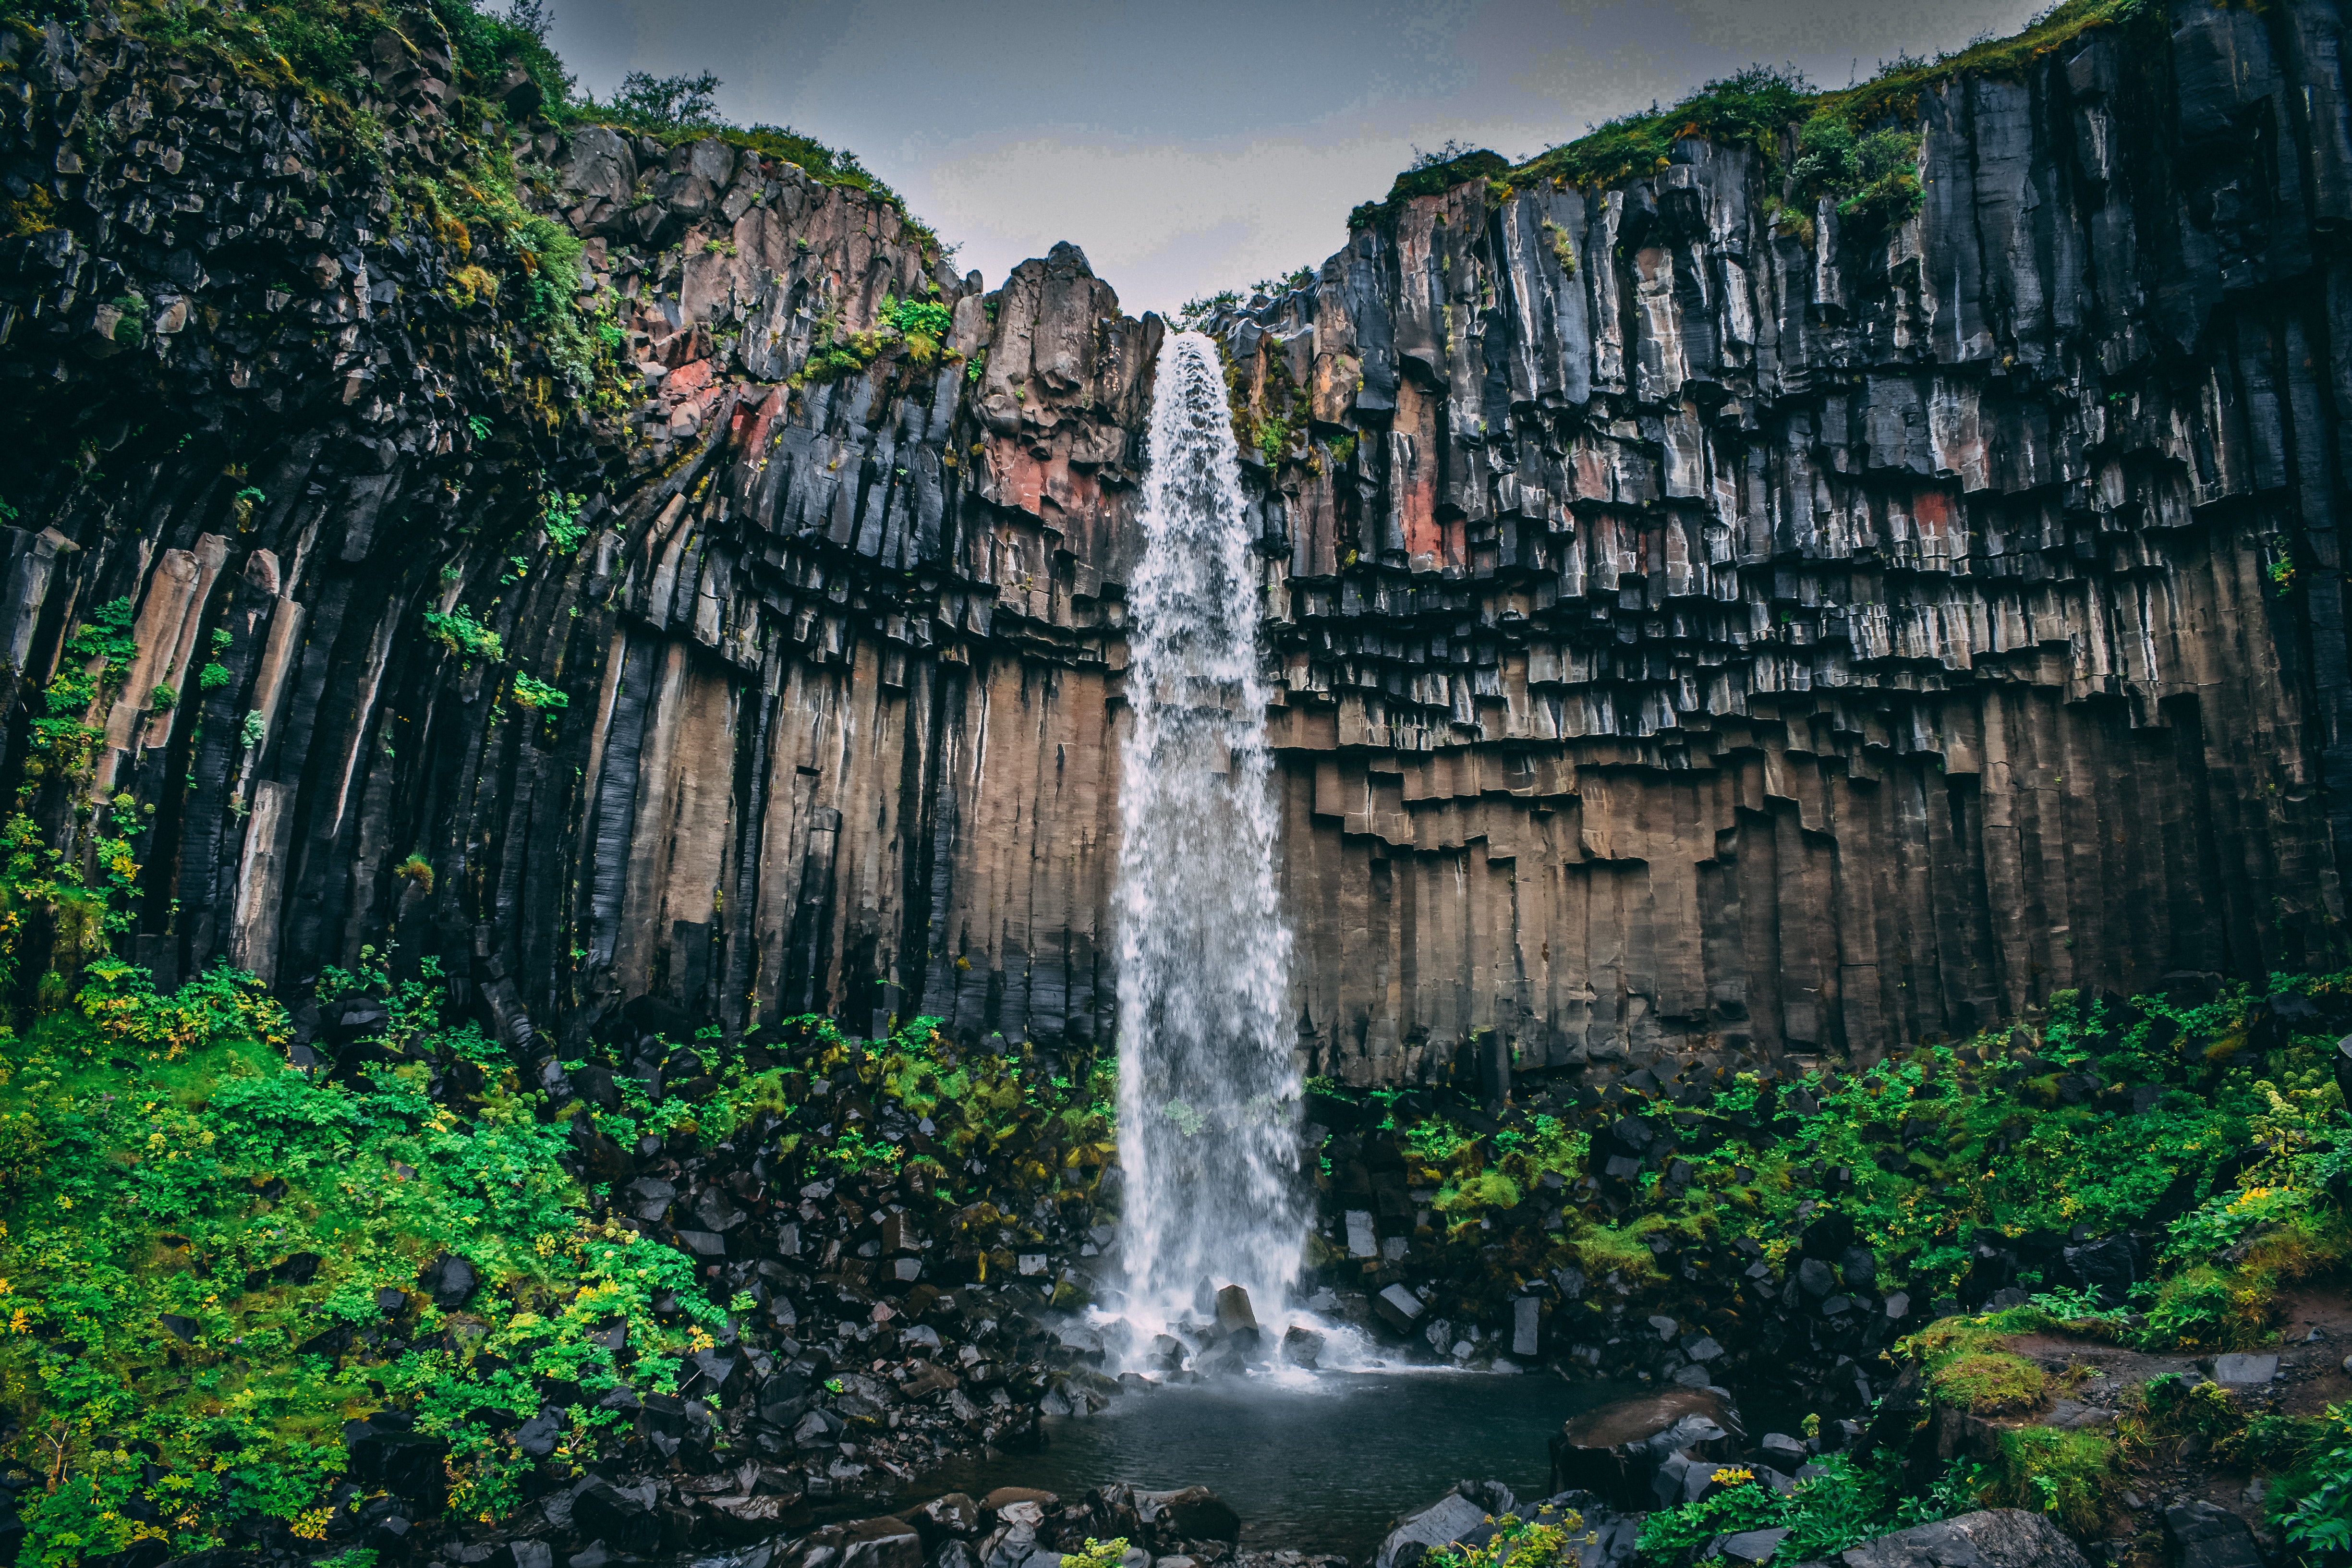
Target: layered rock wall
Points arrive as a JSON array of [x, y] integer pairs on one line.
[[1695, 626]]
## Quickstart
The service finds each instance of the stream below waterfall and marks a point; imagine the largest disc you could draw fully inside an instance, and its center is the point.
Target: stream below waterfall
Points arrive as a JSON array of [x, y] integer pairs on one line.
[[1320, 1463]]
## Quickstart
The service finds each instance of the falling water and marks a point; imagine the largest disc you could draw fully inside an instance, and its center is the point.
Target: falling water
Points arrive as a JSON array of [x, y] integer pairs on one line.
[[1208, 1098]]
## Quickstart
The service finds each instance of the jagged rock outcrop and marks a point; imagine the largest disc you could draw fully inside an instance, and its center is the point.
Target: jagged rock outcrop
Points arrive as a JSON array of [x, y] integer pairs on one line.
[[1695, 626]]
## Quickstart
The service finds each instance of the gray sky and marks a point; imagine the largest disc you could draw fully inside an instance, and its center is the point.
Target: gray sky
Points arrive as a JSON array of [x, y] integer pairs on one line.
[[1189, 147]]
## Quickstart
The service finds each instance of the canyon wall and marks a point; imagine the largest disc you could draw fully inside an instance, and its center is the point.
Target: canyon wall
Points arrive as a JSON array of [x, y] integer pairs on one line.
[[1694, 627]]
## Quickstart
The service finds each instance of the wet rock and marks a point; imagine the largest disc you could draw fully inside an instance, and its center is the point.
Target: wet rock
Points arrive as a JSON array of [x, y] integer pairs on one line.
[[957, 1514], [1752, 1545], [1189, 1513], [1641, 1453], [1399, 1308], [1526, 1326], [1994, 1538], [449, 1280], [536, 1438], [1452, 1517], [2202, 1534], [2241, 1370], [1302, 1347], [383, 1453]]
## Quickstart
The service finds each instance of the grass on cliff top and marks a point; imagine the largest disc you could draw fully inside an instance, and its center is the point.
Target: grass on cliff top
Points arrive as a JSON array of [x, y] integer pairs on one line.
[[677, 109], [314, 44], [1754, 107]]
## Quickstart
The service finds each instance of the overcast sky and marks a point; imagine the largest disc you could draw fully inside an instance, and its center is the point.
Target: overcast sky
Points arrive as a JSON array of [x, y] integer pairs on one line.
[[1193, 145]]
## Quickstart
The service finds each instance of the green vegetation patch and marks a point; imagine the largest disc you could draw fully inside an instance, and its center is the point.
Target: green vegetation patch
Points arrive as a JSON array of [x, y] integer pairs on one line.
[[1858, 145], [1853, 1500], [1987, 1382], [212, 1259]]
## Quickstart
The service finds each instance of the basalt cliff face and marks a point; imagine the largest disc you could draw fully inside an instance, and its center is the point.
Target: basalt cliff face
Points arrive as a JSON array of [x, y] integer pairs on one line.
[[1694, 627]]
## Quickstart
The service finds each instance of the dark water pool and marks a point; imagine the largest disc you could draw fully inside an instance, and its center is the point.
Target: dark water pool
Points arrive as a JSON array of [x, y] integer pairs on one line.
[[1321, 1464]]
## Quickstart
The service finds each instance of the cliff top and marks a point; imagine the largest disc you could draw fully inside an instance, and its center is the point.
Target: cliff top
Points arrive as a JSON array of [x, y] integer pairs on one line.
[[497, 73], [1846, 141]]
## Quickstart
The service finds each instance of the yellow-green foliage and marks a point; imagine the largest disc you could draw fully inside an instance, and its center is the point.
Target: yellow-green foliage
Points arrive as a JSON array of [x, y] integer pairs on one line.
[[1988, 1381], [186, 1215], [1547, 1538], [981, 1103], [2061, 1473]]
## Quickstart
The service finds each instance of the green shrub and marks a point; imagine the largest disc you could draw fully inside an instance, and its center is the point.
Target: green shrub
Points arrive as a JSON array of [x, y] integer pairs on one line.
[[462, 635], [1871, 175], [2060, 1473], [535, 694], [561, 517], [1856, 1500], [2312, 1504]]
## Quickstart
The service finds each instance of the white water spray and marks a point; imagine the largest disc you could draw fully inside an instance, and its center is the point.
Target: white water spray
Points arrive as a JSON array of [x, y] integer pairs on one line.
[[1208, 1096]]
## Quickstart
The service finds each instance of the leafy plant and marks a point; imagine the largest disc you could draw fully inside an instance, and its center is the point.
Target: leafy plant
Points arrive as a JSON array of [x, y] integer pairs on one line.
[[1873, 175], [1548, 1538], [2312, 1504], [461, 633], [535, 694], [1852, 1501], [668, 102], [561, 519]]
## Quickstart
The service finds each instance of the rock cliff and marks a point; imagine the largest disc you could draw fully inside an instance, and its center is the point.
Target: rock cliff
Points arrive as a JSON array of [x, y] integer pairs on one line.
[[1700, 622]]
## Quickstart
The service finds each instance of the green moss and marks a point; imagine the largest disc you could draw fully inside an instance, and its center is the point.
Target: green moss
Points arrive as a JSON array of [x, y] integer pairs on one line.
[[2064, 1474], [1986, 1382]]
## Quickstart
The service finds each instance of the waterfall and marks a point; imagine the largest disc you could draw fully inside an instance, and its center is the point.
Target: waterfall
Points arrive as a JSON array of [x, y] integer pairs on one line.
[[1208, 1096]]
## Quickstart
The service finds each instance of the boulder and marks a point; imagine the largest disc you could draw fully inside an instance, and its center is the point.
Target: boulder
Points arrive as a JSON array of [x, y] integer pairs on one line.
[[450, 1281], [2108, 1269], [1624, 1451], [1753, 1545], [1994, 1538], [536, 1438], [2243, 1370], [1234, 1314], [1399, 1308], [888, 1541], [2206, 1535], [384, 1455], [1191, 1513], [622, 1517], [1443, 1522], [1302, 1347], [1527, 1325], [954, 1514]]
